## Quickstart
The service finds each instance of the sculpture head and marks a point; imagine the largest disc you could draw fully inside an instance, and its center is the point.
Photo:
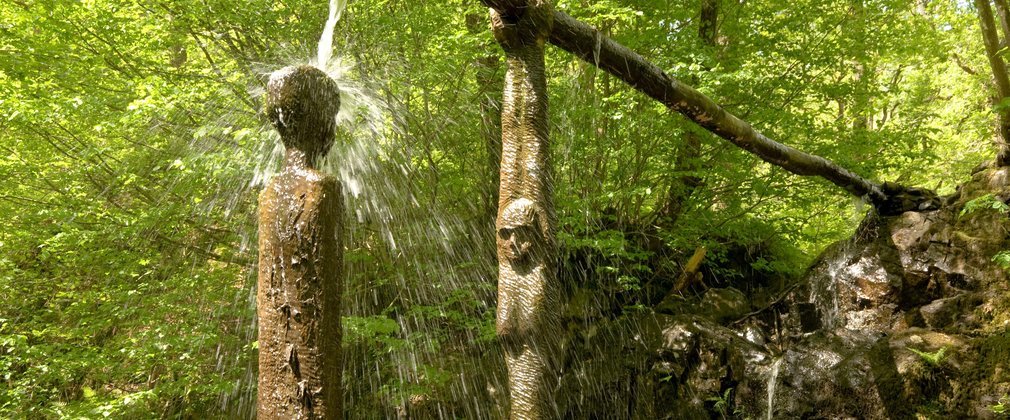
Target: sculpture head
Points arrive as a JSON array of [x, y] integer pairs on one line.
[[302, 103]]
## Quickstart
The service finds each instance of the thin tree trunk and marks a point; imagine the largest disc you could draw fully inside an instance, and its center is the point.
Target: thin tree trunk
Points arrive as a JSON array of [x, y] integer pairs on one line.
[[1004, 20], [593, 47], [992, 47], [490, 111], [683, 187], [488, 75], [708, 26]]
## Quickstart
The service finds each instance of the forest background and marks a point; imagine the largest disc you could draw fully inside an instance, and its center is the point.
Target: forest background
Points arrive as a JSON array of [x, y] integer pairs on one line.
[[133, 144]]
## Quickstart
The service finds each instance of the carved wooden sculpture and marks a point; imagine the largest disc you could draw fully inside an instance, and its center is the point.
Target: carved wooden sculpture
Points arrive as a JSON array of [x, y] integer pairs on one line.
[[528, 322], [300, 261]]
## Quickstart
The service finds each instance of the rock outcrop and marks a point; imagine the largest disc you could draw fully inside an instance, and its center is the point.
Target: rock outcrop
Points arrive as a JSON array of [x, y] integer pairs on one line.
[[909, 317]]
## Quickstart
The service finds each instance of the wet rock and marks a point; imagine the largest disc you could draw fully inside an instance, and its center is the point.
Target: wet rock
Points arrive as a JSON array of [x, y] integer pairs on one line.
[[660, 366], [857, 287], [610, 371], [874, 319], [896, 302], [809, 317], [753, 334], [921, 287], [909, 318]]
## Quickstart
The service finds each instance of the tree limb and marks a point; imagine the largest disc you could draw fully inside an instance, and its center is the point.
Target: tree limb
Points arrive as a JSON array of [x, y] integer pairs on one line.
[[596, 48]]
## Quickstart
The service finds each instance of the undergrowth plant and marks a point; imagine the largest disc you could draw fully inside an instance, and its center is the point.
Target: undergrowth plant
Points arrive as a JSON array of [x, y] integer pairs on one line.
[[1002, 407], [934, 359]]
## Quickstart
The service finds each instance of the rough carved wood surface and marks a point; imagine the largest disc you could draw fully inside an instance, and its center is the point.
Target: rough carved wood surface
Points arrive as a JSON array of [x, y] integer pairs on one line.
[[527, 317]]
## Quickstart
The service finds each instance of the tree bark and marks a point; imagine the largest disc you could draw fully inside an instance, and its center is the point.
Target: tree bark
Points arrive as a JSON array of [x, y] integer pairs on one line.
[[1004, 20], [593, 47], [683, 187], [528, 323], [708, 25], [992, 47], [300, 256], [298, 298]]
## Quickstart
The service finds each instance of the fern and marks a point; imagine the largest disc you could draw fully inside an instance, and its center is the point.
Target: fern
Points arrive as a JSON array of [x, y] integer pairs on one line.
[[934, 359]]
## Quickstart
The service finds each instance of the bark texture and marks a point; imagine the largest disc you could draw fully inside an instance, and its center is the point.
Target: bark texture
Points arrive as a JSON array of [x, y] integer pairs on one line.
[[1003, 11], [300, 256], [594, 47], [992, 47], [528, 295]]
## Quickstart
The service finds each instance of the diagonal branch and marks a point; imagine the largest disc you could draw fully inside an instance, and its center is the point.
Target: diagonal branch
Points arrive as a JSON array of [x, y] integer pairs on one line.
[[596, 48]]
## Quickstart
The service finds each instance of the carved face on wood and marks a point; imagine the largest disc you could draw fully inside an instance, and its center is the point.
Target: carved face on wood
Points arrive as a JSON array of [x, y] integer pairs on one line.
[[519, 232]]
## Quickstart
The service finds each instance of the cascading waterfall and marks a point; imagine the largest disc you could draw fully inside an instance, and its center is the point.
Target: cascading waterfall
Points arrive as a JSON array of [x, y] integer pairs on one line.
[[824, 294], [773, 377]]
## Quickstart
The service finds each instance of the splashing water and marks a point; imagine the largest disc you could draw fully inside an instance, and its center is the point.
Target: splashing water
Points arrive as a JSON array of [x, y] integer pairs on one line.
[[420, 264], [419, 261], [326, 40], [409, 251]]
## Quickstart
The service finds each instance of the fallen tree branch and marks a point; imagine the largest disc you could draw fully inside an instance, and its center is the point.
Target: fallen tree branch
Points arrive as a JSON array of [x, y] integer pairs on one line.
[[691, 272], [596, 48]]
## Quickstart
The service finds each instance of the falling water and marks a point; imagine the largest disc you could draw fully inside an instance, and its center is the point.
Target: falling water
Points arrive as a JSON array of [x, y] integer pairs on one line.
[[326, 40], [824, 289], [773, 377], [420, 283]]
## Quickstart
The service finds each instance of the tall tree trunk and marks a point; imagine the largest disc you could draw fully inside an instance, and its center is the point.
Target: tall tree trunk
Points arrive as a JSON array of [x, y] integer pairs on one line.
[[708, 25], [683, 187], [592, 46], [300, 256], [528, 322], [992, 46], [489, 75]]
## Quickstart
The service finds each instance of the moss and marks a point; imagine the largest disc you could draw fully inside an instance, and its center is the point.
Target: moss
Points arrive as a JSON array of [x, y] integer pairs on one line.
[[996, 313], [994, 356]]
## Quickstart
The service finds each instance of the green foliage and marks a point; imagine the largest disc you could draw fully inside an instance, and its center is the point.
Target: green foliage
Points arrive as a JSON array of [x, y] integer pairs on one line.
[[1002, 407], [989, 202], [984, 202], [130, 134], [721, 404], [1002, 258]]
